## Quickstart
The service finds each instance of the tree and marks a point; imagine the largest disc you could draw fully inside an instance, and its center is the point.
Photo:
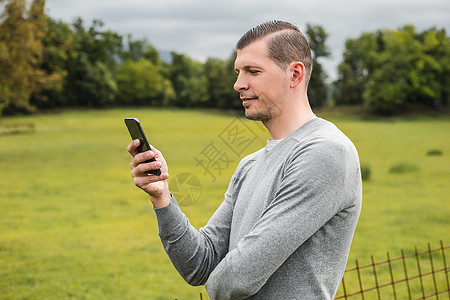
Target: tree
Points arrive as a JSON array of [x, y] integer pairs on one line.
[[103, 46], [141, 83], [387, 87], [317, 89], [220, 78], [57, 44], [22, 27], [432, 77], [410, 71], [390, 70], [359, 57], [90, 65], [137, 49], [189, 81], [91, 83]]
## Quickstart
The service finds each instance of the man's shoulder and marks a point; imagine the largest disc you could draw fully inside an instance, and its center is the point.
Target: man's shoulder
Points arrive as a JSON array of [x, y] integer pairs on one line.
[[250, 158], [320, 131], [322, 138], [246, 163], [316, 126]]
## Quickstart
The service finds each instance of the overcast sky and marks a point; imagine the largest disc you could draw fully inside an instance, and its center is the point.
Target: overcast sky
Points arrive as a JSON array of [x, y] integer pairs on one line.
[[206, 28]]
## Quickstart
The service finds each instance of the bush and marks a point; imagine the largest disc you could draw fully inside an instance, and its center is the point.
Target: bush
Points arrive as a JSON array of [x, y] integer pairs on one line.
[[434, 152], [402, 168], [365, 172]]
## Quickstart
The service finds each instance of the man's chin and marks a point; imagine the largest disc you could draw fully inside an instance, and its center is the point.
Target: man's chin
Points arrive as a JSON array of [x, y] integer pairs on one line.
[[248, 114], [255, 116]]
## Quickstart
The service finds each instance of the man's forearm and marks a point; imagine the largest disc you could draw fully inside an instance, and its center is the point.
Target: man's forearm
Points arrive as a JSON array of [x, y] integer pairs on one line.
[[193, 253]]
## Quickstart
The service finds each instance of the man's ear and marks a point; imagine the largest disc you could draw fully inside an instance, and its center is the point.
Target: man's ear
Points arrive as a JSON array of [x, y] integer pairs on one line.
[[297, 71]]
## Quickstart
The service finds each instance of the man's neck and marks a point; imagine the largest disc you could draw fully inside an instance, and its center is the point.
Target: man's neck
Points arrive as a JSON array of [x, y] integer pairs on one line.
[[289, 120]]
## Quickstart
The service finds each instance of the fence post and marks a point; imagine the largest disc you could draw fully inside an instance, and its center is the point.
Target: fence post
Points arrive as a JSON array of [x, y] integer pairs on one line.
[[382, 282], [420, 272], [445, 267], [359, 278], [376, 278], [343, 287], [420, 289], [406, 274], [432, 272], [392, 275]]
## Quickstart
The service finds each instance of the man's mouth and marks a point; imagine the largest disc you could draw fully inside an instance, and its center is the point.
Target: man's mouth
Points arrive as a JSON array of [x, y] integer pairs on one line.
[[246, 101]]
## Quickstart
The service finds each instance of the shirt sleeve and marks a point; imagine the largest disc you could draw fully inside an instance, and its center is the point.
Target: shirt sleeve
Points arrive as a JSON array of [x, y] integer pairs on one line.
[[311, 192], [195, 253]]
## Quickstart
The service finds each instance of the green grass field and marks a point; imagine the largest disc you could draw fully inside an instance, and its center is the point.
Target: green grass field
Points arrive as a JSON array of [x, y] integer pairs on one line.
[[73, 225]]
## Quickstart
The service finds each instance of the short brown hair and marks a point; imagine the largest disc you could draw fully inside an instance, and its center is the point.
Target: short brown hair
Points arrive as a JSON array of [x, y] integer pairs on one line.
[[288, 45]]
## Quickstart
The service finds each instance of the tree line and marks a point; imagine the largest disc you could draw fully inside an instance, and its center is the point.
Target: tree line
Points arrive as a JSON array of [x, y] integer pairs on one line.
[[389, 70], [47, 63]]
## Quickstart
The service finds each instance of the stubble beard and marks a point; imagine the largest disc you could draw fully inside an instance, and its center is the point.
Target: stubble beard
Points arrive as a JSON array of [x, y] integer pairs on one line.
[[265, 110], [262, 114]]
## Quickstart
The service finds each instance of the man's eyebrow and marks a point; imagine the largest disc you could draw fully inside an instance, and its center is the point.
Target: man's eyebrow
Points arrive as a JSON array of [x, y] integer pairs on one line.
[[249, 67]]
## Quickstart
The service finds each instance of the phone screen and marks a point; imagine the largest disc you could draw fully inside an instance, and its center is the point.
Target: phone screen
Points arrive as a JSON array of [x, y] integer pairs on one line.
[[136, 132]]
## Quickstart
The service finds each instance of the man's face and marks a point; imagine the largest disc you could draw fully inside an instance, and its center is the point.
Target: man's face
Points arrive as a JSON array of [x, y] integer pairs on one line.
[[261, 83]]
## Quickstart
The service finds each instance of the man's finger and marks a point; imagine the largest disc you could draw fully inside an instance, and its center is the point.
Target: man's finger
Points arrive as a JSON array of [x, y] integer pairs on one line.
[[133, 146], [141, 164]]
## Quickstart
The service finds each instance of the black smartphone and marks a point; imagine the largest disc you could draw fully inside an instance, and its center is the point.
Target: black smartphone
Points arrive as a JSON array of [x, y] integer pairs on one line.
[[136, 132]]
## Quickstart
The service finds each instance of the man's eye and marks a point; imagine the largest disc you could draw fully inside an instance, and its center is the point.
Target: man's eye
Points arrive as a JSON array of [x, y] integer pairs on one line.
[[254, 71]]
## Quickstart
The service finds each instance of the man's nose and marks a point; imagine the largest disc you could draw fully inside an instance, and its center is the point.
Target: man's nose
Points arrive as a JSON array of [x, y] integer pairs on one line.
[[240, 84]]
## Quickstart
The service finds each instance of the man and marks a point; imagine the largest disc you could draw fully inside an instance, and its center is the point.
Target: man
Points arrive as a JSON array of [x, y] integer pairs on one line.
[[285, 226]]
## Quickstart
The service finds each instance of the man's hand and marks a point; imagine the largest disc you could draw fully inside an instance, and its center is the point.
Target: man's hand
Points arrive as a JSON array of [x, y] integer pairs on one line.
[[155, 186]]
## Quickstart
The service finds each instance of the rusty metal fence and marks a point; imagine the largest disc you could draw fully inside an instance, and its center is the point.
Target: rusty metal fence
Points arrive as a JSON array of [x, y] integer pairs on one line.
[[417, 275], [413, 276]]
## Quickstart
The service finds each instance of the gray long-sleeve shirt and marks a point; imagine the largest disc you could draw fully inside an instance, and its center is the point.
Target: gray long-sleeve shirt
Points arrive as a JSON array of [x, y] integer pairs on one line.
[[285, 226]]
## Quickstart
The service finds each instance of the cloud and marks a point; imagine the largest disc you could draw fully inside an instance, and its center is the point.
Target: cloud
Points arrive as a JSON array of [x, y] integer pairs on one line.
[[204, 28]]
